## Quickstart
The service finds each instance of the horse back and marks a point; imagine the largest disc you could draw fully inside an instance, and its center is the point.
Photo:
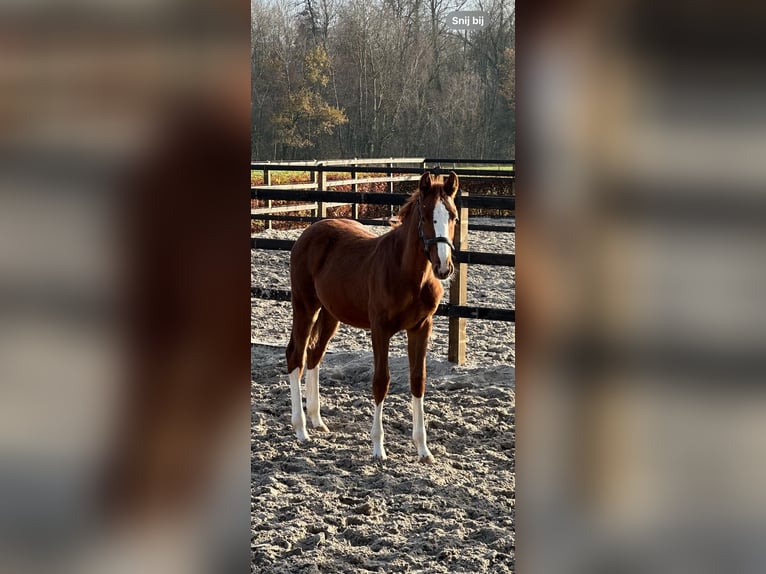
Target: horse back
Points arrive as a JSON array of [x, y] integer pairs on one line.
[[331, 243]]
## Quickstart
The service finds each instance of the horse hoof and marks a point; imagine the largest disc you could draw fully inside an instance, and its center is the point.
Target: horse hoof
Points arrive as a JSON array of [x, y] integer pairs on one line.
[[321, 428], [428, 459], [379, 456], [302, 437]]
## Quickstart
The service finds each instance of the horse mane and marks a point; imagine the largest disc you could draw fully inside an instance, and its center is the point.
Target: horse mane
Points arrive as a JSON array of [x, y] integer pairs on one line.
[[406, 209]]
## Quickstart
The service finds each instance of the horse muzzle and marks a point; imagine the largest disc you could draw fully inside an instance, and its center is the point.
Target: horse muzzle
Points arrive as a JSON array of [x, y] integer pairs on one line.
[[443, 275], [440, 271]]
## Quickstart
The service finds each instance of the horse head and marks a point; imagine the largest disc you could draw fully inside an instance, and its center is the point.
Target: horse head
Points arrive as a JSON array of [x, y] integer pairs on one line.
[[437, 217]]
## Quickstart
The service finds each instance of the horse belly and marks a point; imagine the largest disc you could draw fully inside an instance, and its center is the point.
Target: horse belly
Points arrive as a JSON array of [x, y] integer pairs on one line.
[[346, 300], [345, 307]]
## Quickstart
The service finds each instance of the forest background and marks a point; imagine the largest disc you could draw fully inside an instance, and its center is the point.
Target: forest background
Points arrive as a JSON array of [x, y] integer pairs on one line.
[[381, 78]]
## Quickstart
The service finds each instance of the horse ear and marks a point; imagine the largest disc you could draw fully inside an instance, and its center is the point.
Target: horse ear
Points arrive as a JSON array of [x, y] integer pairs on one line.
[[425, 183], [452, 184]]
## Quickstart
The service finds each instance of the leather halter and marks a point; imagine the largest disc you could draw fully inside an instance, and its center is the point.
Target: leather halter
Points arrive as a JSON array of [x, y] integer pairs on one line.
[[434, 240]]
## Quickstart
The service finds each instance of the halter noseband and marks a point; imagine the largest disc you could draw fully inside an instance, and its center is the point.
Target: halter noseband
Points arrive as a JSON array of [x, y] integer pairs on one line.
[[434, 240]]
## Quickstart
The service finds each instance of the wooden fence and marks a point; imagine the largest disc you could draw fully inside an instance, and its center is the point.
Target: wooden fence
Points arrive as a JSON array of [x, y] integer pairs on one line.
[[395, 170], [319, 198]]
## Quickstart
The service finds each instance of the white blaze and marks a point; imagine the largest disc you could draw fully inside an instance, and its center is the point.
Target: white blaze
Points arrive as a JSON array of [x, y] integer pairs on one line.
[[441, 229], [377, 433], [298, 419]]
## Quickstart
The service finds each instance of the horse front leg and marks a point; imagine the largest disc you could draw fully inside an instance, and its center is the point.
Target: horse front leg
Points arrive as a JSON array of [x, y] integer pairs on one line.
[[417, 343], [380, 382]]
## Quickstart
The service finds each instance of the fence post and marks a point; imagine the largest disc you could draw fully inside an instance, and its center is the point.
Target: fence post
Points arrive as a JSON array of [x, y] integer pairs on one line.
[[390, 189], [458, 294], [354, 188], [321, 186], [314, 181], [267, 181]]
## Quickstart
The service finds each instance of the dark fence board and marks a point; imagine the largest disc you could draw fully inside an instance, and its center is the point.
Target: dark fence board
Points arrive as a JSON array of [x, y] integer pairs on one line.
[[489, 227], [487, 201], [470, 257], [444, 310], [311, 194], [271, 244], [469, 312], [270, 294], [374, 222], [481, 258], [379, 198], [308, 219]]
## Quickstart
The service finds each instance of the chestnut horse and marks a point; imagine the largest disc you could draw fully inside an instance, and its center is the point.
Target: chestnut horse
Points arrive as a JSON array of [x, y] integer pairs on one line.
[[342, 272]]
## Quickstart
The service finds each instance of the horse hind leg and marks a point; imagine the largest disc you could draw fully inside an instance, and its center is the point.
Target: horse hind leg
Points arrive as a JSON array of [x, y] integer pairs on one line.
[[303, 322], [380, 383], [325, 327]]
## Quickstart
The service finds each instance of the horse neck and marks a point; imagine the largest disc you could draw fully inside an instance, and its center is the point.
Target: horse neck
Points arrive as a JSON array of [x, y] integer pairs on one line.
[[414, 261]]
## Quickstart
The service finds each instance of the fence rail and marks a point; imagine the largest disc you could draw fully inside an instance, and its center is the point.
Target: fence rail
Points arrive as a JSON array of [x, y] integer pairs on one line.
[[444, 309], [308, 194], [470, 257], [262, 215]]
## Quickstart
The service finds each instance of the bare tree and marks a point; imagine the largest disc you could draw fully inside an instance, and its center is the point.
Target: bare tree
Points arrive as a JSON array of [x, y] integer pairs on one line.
[[394, 79]]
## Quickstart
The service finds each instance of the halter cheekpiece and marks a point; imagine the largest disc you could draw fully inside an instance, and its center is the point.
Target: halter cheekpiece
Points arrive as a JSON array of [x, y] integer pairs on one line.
[[434, 240]]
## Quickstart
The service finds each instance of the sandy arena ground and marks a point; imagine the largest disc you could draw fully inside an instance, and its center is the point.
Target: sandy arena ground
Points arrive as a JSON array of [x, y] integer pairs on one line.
[[326, 506]]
